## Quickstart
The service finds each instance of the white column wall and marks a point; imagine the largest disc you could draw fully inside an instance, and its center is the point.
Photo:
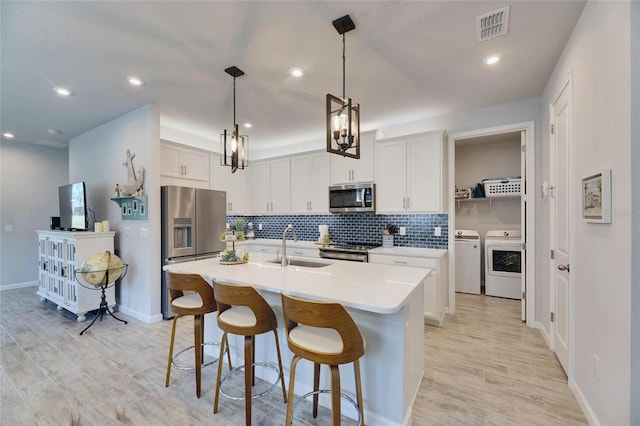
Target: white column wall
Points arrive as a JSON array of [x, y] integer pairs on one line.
[[96, 157]]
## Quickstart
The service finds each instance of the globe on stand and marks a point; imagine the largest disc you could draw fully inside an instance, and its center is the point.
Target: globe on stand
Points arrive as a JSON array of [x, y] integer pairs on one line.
[[98, 272], [101, 269]]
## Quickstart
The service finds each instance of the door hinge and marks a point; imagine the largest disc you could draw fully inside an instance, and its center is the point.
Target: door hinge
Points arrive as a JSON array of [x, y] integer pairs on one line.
[[524, 246], [553, 317], [553, 129], [524, 295], [553, 254]]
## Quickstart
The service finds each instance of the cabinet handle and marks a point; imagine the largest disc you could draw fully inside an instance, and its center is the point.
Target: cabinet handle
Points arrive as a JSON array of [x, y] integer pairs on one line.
[[404, 203], [408, 203], [62, 271], [271, 206], [400, 262]]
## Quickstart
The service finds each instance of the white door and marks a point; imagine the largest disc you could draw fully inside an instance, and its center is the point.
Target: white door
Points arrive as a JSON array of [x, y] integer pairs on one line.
[[560, 203]]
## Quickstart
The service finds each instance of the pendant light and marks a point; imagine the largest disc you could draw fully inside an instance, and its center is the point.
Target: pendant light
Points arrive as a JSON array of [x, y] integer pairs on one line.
[[233, 147], [343, 116]]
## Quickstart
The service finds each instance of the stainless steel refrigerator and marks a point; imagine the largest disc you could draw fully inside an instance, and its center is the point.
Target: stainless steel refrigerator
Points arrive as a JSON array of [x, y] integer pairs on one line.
[[192, 221]]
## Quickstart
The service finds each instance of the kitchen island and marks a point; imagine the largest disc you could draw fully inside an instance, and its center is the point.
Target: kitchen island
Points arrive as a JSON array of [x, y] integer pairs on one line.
[[385, 302]]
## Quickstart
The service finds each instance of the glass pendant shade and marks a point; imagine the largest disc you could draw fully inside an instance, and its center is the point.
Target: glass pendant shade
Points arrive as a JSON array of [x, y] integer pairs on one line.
[[343, 122], [233, 150]]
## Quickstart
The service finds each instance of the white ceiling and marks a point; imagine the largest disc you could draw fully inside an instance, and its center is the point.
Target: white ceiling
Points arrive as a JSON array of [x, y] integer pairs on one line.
[[405, 61]]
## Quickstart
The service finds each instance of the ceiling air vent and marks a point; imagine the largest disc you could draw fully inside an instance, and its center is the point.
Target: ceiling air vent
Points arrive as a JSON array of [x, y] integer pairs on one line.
[[493, 24]]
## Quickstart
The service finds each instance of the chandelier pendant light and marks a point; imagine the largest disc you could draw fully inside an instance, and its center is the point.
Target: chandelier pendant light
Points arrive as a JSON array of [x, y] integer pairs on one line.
[[233, 146], [343, 116]]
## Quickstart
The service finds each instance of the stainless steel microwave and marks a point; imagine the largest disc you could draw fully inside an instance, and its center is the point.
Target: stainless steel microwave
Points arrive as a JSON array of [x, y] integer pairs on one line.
[[352, 198]]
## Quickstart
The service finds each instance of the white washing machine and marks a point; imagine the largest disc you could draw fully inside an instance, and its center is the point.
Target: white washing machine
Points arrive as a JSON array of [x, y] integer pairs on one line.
[[467, 261], [503, 264]]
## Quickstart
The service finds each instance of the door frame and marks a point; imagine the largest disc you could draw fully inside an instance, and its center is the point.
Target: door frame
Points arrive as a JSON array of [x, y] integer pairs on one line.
[[529, 232]]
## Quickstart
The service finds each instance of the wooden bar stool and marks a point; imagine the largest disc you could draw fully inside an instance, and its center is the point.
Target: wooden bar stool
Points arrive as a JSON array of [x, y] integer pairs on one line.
[[198, 301], [242, 311], [323, 333]]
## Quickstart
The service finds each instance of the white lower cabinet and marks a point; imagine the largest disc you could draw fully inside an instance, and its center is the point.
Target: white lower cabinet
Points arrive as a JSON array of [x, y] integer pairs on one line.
[[60, 253], [434, 286]]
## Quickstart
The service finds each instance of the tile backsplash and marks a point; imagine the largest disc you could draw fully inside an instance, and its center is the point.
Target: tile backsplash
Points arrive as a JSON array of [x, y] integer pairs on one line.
[[355, 227]]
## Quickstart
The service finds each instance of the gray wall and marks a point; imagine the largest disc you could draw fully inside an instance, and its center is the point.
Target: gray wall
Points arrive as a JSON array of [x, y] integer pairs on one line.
[[29, 179]]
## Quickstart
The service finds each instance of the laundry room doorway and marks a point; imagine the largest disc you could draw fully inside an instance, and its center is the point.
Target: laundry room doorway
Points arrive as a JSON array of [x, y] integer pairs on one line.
[[498, 162]]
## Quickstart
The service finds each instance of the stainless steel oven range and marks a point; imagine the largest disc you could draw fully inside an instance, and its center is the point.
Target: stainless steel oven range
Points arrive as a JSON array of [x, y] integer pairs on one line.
[[356, 252]]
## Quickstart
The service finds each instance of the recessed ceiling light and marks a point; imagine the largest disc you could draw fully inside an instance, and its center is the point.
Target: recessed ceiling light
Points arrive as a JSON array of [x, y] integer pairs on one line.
[[492, 59], [248, 125], [296, 72], [8, 135], [62, 91], [135, 81]]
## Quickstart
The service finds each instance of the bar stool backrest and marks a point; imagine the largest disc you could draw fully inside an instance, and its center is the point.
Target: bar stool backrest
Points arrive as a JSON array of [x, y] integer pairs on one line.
[[229, 295], [178, 283], [323, 315]]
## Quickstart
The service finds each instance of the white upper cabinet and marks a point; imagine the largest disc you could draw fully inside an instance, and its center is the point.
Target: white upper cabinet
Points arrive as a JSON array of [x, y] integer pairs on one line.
[[349, 170], [410, 174], [271, 185], [179, 162], [310, 184], [235, 184]]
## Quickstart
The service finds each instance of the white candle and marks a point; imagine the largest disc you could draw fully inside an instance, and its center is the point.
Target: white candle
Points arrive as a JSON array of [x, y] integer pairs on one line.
[[105, 226], [97, 227]]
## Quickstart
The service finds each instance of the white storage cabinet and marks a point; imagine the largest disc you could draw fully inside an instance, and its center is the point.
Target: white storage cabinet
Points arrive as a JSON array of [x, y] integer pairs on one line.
[[271, 184], [409, 174], [235, 184], [434, 286], [310, 184], [350, 170], [60, 253], [180, 163]]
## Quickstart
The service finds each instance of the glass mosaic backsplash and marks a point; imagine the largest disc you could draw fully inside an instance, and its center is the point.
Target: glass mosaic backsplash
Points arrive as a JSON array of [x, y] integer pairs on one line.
[[355, 227]]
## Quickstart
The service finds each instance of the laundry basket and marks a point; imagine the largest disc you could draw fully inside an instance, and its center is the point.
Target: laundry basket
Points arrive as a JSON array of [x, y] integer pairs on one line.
[[502, 187]]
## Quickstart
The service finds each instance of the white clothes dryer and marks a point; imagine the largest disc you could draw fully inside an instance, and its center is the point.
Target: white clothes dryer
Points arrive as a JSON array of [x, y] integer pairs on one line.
[[503, 264], [467, 245]]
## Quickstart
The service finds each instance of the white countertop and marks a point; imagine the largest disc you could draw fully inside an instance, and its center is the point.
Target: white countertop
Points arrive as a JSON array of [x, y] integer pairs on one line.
[[409, 252], [365, 286]]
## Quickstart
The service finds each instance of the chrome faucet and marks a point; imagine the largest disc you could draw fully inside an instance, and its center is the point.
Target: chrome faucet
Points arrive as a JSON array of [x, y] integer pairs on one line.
[[283, 260]]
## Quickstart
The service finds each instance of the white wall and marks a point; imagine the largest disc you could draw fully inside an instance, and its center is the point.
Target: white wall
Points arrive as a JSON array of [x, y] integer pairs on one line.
[[29, 179], [96, 157], [598, 54]]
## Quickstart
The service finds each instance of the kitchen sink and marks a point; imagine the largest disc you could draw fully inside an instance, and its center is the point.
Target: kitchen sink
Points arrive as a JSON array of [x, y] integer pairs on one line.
[[303, 263]]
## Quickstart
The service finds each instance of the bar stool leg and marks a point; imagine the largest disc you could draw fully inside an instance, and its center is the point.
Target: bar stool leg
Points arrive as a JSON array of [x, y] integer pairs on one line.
[[292, 380], [284, 391], [356, 367], [316, 386], [197, 348], [248, 377], [335, 394], [224, 341], [173, 336]]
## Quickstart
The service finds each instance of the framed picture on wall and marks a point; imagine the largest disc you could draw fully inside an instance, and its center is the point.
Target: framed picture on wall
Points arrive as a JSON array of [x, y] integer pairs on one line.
[[596, 197]]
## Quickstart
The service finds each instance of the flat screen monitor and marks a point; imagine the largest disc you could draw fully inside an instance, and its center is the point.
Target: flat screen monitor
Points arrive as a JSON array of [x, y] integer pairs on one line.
[[73, 207]]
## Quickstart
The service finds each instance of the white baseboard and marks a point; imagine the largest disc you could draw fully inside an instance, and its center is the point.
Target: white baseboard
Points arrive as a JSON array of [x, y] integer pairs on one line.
[[149, 319], [545, 333], [584, 404], [18, 285]]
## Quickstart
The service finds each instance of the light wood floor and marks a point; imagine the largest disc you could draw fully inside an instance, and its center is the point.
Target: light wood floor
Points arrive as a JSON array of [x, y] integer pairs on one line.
[[482, 367]]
